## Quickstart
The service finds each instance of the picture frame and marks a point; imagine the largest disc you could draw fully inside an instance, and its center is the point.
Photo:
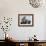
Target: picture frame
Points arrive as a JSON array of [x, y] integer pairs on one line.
[[26, 20]]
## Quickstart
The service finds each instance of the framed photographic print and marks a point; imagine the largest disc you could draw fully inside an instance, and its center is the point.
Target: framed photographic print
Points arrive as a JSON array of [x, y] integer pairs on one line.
[[25, 19]]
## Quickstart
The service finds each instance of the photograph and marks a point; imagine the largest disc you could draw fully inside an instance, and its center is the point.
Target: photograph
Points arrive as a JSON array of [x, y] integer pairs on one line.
[[25, 19]]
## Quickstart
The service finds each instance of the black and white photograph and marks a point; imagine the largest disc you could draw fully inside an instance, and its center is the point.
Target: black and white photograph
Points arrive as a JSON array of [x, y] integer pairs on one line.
[[25, 19]]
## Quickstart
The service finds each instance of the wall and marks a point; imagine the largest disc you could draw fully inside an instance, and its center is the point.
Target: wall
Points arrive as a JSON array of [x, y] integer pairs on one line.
[[11, 8]]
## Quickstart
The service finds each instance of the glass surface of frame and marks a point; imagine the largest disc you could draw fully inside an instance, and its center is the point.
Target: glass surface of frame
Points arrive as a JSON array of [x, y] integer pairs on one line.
[[25, 19]]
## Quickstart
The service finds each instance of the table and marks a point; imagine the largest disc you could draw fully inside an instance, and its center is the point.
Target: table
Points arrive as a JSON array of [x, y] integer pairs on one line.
[[27, 42]]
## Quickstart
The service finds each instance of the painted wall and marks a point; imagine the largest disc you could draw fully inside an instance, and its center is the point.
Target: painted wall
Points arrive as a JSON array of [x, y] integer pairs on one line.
[[11, 8]]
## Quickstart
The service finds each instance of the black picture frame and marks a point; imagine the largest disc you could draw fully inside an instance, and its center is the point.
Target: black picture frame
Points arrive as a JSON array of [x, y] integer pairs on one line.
[[26, 20]]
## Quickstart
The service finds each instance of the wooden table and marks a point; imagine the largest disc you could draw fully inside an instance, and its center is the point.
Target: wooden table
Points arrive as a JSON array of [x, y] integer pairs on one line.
[[27, 42], [30, 43]]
